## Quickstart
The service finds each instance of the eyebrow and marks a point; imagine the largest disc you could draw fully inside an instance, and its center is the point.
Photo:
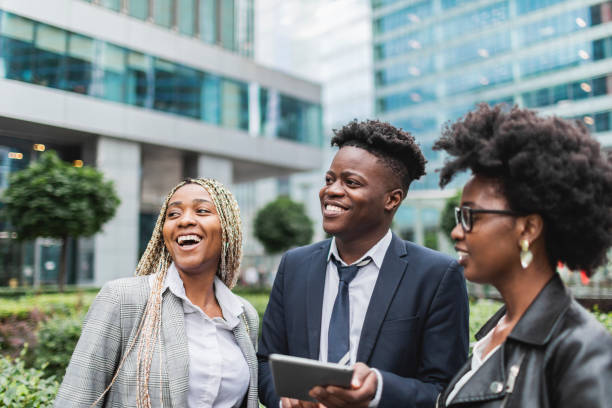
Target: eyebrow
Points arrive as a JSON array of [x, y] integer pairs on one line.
[[348, 173], [195, 200]]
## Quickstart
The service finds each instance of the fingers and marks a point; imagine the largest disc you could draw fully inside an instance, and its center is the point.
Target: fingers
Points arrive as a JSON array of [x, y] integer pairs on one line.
[[336, 397], [361, 371], [290, 403], [294, 403]]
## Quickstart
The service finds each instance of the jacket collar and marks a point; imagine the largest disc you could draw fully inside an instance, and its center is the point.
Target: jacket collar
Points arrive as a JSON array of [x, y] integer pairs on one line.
[[539, 321]]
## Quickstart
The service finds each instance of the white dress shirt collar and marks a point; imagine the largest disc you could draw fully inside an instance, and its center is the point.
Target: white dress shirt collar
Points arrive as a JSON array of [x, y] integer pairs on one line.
[[230, 305], [377, 252]]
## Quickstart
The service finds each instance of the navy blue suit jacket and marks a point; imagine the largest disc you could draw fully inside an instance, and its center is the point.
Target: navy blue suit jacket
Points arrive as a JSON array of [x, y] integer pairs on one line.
[[415, 330]]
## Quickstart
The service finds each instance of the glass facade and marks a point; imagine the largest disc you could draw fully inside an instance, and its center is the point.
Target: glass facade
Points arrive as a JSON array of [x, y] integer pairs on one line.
[[37, 53], [435, 60], [30, 262], [227, 23], [295, 120]]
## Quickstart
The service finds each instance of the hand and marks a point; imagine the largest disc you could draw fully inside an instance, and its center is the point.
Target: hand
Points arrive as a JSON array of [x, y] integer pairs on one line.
[[363, 390], [294, 403]]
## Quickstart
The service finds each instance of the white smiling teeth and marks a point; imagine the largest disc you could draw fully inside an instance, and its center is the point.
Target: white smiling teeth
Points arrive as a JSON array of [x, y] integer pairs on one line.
[[462, 255], [184, 238], [333, 208]]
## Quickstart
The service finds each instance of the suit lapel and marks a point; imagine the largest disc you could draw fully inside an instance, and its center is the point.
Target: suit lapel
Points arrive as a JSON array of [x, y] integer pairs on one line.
[[315, 284], [176, 352], [246, 346], [391, 272]]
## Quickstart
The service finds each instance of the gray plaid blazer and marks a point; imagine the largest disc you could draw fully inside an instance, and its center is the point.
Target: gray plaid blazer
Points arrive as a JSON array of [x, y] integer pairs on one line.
[[109, 327]]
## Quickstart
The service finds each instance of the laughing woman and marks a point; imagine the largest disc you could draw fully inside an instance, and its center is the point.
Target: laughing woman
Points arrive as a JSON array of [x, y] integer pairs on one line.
[[175, 335], [540, 192]]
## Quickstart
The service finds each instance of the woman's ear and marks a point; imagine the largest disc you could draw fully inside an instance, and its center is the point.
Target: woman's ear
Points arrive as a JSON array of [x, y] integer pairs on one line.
[[531, 227]]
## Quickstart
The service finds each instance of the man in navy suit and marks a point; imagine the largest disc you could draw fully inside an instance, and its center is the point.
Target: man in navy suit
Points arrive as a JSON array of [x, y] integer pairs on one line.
[[401, 316]]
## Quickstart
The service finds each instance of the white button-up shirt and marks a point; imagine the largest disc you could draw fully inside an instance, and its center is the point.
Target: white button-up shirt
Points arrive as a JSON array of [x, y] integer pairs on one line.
[[360, 292], [218, 372]]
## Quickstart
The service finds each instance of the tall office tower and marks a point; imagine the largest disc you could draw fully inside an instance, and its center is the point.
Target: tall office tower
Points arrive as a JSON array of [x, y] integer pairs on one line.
[[149, 92], [435, 59]]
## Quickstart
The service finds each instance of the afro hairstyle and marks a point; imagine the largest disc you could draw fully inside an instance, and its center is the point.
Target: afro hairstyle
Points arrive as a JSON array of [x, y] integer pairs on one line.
[[545, 165]]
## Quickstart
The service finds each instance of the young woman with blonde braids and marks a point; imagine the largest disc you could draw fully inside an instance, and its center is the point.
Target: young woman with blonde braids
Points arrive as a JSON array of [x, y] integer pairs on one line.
[[174, 335]]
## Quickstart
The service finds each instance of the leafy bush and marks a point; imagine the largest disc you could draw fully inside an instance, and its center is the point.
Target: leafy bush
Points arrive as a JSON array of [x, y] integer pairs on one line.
[[56, 339], [282, 224], [447, 217], [25, 387], [49, 304], [482, 310], [604, 318]]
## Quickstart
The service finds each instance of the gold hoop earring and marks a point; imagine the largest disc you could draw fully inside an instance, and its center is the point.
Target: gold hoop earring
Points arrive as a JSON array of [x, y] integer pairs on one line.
[[526, 254]]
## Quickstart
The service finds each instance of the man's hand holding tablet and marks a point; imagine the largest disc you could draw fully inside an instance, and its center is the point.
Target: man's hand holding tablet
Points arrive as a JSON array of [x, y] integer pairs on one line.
[[310, 383]]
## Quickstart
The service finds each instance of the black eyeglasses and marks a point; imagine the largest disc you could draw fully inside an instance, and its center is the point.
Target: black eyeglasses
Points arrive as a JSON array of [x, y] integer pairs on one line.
[[464, 215]]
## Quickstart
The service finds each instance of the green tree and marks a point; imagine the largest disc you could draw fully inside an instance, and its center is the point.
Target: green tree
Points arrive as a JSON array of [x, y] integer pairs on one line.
[[447, 217], [54, 199], [282, 224]]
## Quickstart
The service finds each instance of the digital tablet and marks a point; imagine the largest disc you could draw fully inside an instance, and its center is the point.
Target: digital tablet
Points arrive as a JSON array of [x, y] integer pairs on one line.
[[295, 376]]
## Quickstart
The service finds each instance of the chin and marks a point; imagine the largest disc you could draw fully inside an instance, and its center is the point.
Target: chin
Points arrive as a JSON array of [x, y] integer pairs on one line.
[[333, 227]]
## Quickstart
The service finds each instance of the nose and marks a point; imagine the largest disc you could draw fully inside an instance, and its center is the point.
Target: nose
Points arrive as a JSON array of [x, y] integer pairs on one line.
[[334, 189], [457, 233], [187, 219]]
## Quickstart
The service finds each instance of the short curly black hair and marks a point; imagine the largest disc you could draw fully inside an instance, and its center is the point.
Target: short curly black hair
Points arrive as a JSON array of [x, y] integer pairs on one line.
[[545, 165], [394, 147]]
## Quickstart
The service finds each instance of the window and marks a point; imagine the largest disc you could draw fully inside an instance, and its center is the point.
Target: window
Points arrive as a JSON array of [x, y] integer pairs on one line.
[[79, 62], [163, 12], [138, 9], [186, 20], [50, 48], [136, 82], [208, 21], [111, 4], [211, 109], [228, 24], [110, 84]]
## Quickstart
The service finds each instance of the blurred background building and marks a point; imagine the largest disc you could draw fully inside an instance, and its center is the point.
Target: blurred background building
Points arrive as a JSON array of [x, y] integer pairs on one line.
[[149, 92], [426, 62], [329, 42], [435, 59]]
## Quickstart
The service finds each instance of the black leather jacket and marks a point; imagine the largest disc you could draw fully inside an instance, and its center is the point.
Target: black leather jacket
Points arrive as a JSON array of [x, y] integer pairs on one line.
[[558, 355]]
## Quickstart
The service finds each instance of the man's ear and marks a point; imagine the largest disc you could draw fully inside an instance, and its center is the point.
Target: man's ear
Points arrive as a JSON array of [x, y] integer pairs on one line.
[[393, 199]]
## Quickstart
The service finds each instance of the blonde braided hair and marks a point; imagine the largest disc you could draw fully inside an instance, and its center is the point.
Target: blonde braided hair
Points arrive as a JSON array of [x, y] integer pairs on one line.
[[157, 259]]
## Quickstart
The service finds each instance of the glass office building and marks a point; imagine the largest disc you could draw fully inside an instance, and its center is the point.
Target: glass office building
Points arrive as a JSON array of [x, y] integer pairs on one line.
[[435, 59], [149, 92]]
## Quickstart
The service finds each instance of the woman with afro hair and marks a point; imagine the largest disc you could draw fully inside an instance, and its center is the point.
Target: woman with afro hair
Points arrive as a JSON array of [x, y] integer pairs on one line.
[[540, 193]]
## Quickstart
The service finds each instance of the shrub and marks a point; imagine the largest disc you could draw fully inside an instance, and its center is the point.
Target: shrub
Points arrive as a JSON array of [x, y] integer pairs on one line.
[[47, 305], [447, 217], [56, 339], [282, 224], [604, 318], [25, 387]]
